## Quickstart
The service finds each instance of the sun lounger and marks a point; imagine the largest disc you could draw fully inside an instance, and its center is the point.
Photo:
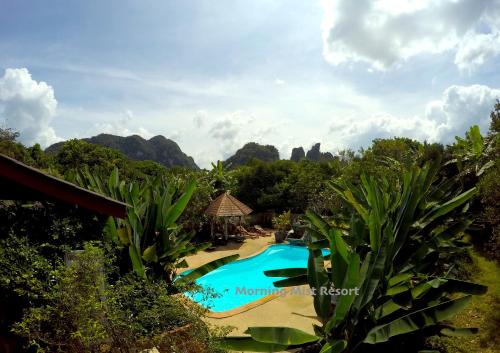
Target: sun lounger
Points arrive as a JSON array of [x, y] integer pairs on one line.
[[261, 230], [245, 232]]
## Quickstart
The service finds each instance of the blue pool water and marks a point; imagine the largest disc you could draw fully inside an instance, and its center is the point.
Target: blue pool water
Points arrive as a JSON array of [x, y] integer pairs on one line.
[[243, 281]]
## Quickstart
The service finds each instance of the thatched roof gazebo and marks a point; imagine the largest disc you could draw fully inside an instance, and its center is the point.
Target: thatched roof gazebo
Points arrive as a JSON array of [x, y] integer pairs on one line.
[[226, 205]]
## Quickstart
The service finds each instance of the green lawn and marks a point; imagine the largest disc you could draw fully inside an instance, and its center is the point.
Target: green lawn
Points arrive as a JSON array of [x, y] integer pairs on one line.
[[484, 312]]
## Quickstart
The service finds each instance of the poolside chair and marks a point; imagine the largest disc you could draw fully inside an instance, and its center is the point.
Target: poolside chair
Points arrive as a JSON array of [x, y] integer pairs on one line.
[[245, 232], [261, 230]]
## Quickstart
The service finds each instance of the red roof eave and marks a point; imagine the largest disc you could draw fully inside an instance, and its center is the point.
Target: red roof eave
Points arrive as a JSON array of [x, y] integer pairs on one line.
[[26, 179]]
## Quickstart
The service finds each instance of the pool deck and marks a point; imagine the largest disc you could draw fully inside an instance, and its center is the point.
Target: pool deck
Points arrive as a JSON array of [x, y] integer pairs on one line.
[[291, 310]]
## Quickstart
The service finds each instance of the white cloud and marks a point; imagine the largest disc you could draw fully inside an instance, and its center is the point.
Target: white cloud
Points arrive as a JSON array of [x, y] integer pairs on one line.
[[123, 125], [279, 82], [458, 108], [28, 106], [229, 130], [477, 49], [355, 132], [237, 128], [176, 135], [386, 32]]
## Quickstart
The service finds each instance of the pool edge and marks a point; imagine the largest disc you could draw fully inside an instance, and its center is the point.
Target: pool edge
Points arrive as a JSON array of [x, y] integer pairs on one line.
[[243, 308]]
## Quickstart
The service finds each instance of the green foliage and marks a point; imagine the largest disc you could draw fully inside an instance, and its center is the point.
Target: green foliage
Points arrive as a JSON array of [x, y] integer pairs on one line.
[[83, 312], [389, 158], [403, 150], [391, 255], [284, 185], [204, 269], [220, 178], [283, 222], [489, 192], [25, 273], [393, 225], [495, 118], [155, 242], [471, 154], [477, 160], [158, 149], [8, 134], [9, 146], [147, 168], [268, 339], [74, 154], [483, 312], [54, 227]]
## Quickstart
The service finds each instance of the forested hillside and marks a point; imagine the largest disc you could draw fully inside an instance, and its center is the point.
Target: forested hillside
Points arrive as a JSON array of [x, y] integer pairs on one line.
[[158, 149]]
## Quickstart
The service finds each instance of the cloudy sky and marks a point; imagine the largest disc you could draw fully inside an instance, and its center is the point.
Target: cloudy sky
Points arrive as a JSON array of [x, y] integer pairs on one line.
[[213, 75]]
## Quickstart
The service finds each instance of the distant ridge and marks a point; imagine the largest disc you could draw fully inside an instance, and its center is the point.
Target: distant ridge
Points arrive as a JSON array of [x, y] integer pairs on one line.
[[252, 150], [314, 154], [158, 149], [269, 153]]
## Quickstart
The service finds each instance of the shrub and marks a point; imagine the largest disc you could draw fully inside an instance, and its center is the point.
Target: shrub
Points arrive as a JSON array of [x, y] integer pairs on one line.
[[392, 266], [24, 274], [489, 192], [283, 222], [82, 312]]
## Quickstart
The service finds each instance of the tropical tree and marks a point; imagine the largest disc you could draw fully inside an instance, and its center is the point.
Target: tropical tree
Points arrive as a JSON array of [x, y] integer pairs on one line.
[[221, 178], [381, 281], [156, 244], [75, 154], [472, 153]]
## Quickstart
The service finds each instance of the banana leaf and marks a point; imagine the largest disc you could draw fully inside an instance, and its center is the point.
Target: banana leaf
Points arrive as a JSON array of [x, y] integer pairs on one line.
[[337, 346], [247, 344], [202, 270], [458, 332], [137, 264], [292, 281], [286, 272], [317, 277], [417, 320], [176, 210], [318, 222], [350, 282], [447, 207], [281, 335]]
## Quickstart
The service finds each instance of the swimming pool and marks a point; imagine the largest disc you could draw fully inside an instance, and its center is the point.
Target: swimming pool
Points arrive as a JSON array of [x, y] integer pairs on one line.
[[243, 281]]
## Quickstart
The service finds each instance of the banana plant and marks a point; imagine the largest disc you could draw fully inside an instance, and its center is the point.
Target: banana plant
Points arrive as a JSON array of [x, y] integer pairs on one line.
[[471, 154], [221, 178], [382, 264], [157, 245]]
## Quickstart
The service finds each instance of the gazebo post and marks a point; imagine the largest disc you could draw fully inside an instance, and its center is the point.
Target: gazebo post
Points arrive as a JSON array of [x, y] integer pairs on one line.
[[225, 228], [212, 228]]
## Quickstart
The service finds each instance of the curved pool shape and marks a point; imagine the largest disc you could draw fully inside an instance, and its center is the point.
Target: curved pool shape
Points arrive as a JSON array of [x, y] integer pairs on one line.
[[243, 281]]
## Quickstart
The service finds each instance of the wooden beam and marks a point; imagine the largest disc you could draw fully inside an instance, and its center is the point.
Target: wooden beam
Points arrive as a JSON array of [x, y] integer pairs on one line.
[[21, 182]]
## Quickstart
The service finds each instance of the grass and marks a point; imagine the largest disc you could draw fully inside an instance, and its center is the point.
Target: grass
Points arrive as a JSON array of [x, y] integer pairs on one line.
[[483, 312]]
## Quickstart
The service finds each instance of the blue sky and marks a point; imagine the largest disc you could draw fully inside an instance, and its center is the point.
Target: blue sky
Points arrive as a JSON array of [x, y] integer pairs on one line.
[[213, 75]]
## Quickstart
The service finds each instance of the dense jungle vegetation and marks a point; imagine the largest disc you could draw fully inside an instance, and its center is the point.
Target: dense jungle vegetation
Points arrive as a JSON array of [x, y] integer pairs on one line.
[[414, 225]]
